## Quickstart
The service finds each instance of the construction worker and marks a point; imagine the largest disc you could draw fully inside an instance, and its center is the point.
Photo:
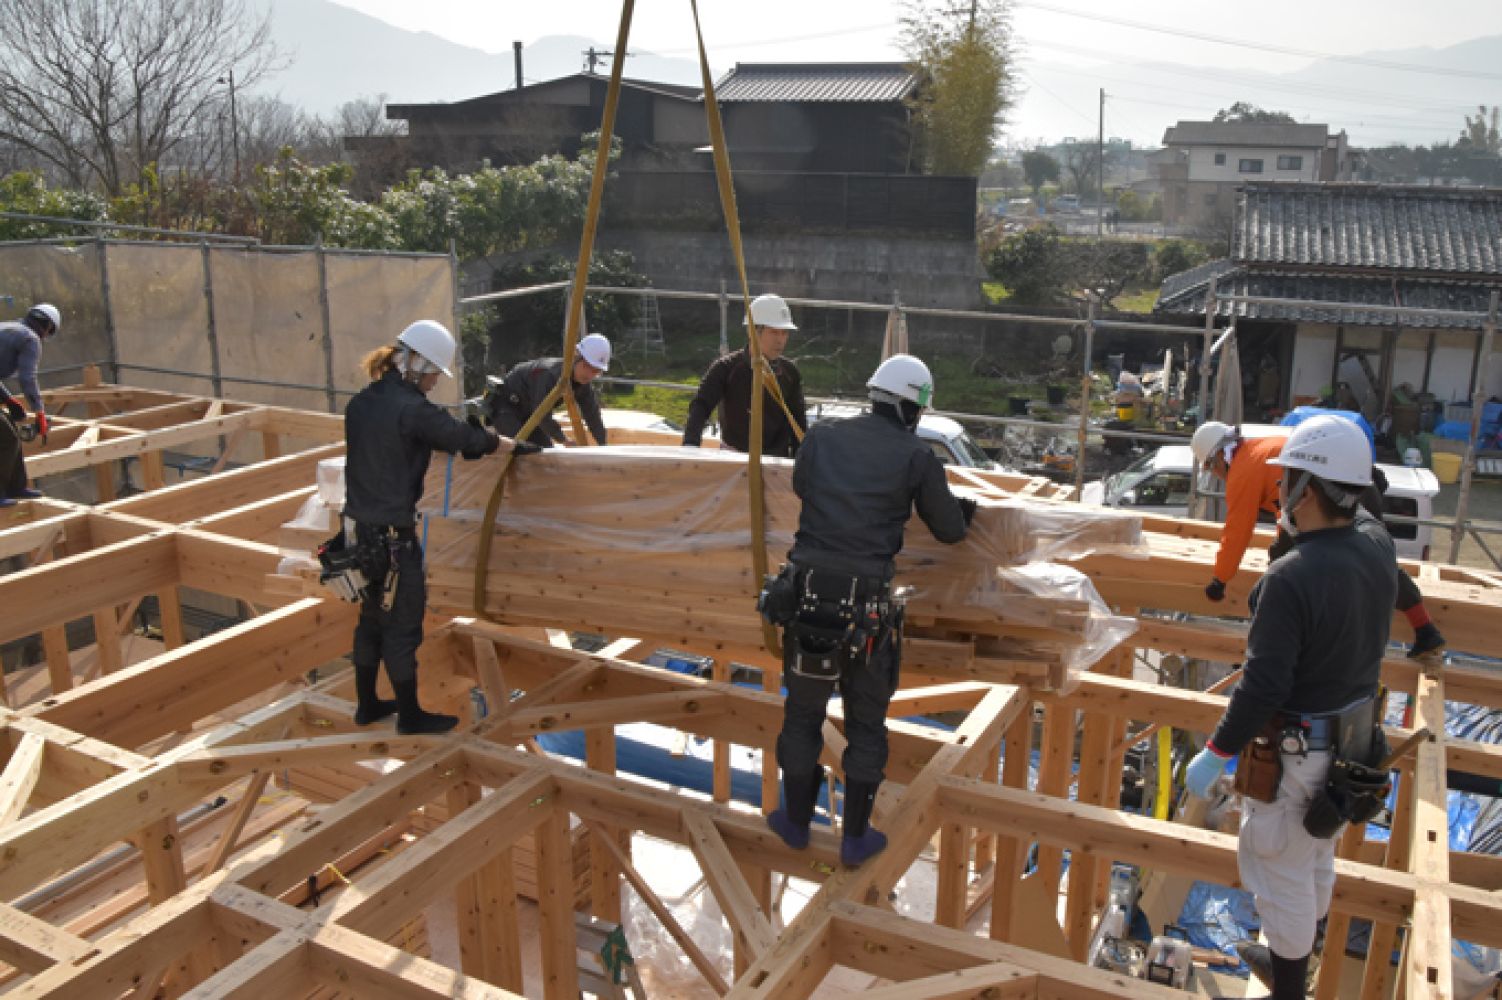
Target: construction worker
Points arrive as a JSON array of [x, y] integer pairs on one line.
[[20, 353], [859, 480], [510, 403], [1247, 467], [1320, 619], [727, 382], [390, 432]]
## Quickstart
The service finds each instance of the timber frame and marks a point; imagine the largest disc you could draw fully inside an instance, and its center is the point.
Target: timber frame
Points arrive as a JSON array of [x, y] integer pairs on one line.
[[251, 908]]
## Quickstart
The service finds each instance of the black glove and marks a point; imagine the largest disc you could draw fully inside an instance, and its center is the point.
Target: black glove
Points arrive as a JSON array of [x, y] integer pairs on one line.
[[526, 448], [492, 440], [1215, 590], [16, 410], [968, 507]]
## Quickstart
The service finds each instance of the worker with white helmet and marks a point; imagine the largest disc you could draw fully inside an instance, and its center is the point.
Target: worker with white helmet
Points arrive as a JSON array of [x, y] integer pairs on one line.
[[726, 387], [1320, 619], [391, 430], [859, 480], [510, 402], [20, 353]]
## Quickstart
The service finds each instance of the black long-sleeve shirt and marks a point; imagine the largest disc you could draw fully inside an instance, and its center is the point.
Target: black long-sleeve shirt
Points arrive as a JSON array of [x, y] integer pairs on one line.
[[726, 385], [860, 480], [20, 351], [390, 433], [529, 383], [1320, 620]]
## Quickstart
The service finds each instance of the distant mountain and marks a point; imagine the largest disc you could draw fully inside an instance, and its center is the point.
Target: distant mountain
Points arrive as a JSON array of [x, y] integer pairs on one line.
[[337, 54]]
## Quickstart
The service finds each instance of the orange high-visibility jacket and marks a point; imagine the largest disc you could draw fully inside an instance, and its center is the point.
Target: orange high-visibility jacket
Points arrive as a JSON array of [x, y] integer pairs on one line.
[[1251, 485]]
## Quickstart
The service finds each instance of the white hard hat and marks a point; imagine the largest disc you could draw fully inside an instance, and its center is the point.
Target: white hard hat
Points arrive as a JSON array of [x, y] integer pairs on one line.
[[902, 376], [1331, 448], [48, 312], [432, 340], [594, 348], [771, 310], [1209, 438]]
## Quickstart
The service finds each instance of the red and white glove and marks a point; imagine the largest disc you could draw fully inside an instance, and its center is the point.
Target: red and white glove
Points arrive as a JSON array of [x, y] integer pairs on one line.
[[42, 425]]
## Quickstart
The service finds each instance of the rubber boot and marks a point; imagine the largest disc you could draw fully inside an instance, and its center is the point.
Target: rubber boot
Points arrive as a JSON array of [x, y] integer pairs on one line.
[[369, 707], [861, 840], [799, 794], [411, 719], [1426, 640]]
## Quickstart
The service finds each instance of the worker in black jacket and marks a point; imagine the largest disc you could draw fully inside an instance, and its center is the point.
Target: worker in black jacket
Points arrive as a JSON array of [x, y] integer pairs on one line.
[[727, 383], [1320, 620], [859, 480], [391, 431], [509, 404], [20, 353]]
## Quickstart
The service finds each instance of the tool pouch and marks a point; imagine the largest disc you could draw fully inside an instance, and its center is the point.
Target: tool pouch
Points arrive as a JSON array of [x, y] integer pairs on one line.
[[343, 569], [812, 652], [1259, 769], [778, 601], [1353, 793]]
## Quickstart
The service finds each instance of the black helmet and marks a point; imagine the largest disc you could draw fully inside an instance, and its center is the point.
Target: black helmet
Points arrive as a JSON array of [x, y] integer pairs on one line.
[[44, 319]]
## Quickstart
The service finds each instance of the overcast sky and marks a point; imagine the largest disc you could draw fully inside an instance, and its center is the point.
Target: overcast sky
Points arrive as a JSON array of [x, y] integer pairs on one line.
[[1051, 34]]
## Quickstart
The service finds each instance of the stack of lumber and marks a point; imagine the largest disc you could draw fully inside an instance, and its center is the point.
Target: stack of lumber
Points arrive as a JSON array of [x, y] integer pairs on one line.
[[655, 542]]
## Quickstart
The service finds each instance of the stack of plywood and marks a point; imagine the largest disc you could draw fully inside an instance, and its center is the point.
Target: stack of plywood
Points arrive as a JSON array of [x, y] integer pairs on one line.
[[646, 541]]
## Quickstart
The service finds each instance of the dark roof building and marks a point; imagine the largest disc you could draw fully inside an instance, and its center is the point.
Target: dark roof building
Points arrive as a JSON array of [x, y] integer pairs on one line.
[[1325, 251]]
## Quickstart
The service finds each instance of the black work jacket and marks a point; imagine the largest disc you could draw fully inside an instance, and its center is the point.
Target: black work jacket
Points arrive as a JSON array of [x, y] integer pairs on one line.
[[726, 385], [859, 480], [528, 384], [1320, 620], [390, 433]]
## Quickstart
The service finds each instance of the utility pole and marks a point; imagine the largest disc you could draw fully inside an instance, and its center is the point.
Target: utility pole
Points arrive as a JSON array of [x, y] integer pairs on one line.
[[234, 120], [1100, 168], [516, 51]]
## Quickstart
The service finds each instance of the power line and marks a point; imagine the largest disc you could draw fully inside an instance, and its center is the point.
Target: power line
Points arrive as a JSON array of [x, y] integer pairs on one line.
[[1201, 36]]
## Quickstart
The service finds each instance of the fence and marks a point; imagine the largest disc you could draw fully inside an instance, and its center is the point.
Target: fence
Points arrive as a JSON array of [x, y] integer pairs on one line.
[[284, 325]]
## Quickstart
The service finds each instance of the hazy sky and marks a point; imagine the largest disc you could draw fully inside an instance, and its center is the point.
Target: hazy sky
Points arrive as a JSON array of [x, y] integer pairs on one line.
[[1058, 33]]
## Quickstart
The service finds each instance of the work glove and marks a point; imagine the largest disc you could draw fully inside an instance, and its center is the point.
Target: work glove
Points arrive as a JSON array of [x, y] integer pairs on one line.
[[1203, 770], [42, 425], [1215, 590], [492, 440], [16, 410], [525, 448], [968, 507]]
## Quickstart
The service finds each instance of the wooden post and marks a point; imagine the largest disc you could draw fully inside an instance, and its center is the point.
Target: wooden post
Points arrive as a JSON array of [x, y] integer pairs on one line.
[[107, 640], [555, 889], [1010, 851], [171, 610], [1053, 779], [153, 471], [604, 874]]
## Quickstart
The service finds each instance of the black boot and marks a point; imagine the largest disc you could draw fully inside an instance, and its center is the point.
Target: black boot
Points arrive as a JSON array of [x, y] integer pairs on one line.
[[369, 707], [1290, 977], [411, 719], [861, 840], [1258, 958], [799, 794], [1426, 639]]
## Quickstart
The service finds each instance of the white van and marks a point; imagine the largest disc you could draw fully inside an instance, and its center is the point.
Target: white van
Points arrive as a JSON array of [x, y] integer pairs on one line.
[[945, 437], [1158, 483]]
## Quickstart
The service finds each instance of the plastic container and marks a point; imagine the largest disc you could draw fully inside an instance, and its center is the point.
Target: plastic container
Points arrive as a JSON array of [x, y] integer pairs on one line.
[[1126, 412], [1413, 458], [1446, 467]]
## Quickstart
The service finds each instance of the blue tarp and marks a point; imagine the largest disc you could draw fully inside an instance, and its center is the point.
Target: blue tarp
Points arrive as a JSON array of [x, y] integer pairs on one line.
[[1299, 414]]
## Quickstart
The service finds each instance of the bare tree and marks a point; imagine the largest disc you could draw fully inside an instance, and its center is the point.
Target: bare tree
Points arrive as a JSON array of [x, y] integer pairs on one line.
[[105, 89]]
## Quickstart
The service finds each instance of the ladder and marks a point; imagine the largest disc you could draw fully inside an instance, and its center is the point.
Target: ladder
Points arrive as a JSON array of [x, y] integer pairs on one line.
[[646, 335]]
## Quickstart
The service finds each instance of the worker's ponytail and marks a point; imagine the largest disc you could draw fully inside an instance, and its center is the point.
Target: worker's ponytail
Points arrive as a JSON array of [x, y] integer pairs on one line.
[[379, 361]]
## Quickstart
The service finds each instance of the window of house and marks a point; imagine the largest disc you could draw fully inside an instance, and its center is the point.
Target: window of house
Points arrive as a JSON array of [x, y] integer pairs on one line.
[[1290, 163], [1220, 159], [1250, 167]]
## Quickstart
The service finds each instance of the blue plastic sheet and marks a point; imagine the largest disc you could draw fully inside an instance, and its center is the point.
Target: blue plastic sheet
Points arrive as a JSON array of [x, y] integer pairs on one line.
[[1299, 414]]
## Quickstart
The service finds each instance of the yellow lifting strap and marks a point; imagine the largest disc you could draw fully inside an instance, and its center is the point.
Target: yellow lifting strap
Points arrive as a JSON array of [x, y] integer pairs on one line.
[[574, 312]]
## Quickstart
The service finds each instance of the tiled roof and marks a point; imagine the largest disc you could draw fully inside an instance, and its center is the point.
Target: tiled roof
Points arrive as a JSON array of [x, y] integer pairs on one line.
[[1452, 231], [816, 82], [1246, 134], [1184, 294]]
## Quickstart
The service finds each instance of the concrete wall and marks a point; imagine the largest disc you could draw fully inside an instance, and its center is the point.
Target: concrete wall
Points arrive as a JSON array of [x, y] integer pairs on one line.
[[937, 273]]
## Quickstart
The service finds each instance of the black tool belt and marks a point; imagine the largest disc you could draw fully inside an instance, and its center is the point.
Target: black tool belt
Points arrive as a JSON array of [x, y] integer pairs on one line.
[[1348, 732], [831, 619], [1358, 784]]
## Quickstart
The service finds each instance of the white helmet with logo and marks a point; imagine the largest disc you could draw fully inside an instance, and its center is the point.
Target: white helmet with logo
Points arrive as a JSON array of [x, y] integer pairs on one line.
[[902, 377], [432, 341], [594, 348], [1209, 438], [44, 312], [772, 311], [1331, 448]]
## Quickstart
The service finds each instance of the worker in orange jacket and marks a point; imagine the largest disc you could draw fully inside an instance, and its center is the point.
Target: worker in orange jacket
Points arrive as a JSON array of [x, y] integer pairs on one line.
[[1245, 465]]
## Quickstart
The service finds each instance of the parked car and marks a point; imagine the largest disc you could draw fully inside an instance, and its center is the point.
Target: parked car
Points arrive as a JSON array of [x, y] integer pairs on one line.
[[1066, 204], [1158, 483], [946, 437]]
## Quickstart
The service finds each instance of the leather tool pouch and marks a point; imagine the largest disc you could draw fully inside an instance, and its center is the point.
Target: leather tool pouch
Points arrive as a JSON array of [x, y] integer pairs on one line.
[[778, 601], [812, 652], [1259, 769]]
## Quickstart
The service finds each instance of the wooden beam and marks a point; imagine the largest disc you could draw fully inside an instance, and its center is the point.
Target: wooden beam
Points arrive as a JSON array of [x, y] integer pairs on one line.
[[363, 967], [993, 981], [555, 890], [22, 772], [97, 455], [57, 592], [749, 924], [1427, 955], [33, 945], [224, 847]]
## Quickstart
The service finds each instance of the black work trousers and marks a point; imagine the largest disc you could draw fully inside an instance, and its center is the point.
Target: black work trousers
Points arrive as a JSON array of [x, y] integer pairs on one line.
[[508, 423], [12, 461], [866, 690], [1408, 591], [391, 636]]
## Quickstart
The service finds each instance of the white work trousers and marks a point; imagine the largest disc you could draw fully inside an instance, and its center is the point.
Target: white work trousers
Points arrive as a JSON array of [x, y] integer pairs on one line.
[[1291, 873]]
